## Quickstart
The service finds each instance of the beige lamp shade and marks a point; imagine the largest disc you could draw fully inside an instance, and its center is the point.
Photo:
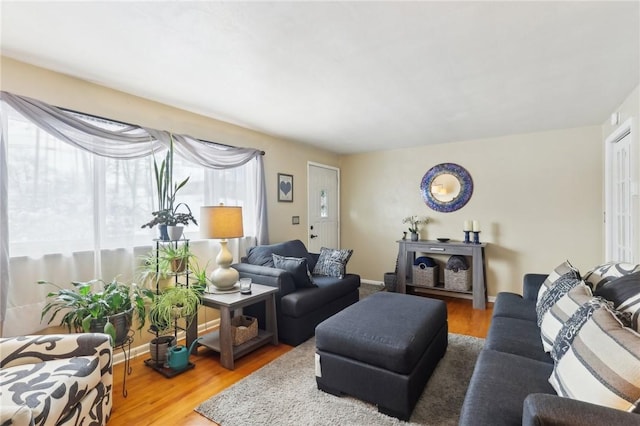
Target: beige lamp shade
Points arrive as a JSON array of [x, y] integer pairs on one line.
[[221, 222]]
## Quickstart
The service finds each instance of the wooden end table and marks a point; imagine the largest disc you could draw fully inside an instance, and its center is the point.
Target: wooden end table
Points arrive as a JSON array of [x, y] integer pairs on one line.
[[221, 341]]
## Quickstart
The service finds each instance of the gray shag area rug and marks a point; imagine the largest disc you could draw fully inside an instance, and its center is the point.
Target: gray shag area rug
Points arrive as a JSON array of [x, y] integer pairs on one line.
[[284, 392]]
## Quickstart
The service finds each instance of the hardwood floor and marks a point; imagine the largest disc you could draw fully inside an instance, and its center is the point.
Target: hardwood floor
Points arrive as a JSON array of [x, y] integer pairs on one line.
[[155, 400]]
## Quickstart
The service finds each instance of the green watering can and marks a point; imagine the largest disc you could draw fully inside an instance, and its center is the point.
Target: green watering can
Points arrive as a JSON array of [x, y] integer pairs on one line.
[[178, 356]]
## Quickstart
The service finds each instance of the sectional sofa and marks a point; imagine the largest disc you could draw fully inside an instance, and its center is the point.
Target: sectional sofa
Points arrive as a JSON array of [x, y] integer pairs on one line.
[[511, 382]]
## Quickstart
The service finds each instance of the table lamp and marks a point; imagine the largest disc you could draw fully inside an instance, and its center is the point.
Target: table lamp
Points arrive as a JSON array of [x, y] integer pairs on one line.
[[222, 222]]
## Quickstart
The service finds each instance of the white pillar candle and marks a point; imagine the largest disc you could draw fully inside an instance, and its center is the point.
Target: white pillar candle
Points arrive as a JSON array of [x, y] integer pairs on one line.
[[476, 226], [467, 225]]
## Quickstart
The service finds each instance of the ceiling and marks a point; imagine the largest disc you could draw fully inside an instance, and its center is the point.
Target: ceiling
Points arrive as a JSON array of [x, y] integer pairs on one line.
[[348, 76]]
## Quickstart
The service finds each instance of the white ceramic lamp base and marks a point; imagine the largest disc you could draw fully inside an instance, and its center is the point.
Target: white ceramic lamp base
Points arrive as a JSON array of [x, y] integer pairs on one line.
[[224, 277]]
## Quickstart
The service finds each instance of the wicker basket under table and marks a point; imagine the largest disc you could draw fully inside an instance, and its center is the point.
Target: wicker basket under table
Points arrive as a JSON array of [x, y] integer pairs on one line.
[[458, 281], [243, 328], [425, 276]]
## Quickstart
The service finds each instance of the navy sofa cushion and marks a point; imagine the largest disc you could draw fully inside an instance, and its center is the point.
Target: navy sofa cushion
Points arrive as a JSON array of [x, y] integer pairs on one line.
[[262, 255], [518, 337], [514, 306], [361, 333], [499, 385], [297, 266], [326, 289]]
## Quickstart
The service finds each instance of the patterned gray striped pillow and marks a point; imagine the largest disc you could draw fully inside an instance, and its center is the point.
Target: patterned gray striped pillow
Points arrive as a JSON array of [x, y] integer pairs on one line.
[[602, 363], [563, 269], [560, 313], [332, 262], [624, 292], [608, 272]]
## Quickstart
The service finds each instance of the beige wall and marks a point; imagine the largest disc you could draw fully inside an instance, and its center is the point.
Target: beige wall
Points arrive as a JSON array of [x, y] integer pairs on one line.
[[537, 197], [282, 156]]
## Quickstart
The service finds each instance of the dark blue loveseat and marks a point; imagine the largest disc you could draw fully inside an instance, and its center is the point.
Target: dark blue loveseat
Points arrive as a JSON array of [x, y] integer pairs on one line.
[[299, 308]]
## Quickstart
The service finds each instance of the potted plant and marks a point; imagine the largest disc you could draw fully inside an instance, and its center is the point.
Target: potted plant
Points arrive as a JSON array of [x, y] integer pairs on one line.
[[177, 257], [167, 213], [109, 311], [174, 303], [154, 272], [413, 222], [200, 274]]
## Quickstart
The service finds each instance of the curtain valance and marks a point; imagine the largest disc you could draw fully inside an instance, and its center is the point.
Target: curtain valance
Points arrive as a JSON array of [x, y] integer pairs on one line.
[[129, 142]]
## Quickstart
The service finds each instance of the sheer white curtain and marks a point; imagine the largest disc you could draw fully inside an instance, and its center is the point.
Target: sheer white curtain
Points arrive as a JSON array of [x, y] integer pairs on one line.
[[67, 214]]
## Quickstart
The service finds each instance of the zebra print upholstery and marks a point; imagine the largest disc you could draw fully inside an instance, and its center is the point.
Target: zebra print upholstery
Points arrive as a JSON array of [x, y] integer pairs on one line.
[[62, 379]]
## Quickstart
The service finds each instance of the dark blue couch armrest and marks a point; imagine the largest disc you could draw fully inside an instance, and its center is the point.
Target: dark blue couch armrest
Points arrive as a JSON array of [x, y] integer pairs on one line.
[[266, 275], [531, 284], [542, 409]]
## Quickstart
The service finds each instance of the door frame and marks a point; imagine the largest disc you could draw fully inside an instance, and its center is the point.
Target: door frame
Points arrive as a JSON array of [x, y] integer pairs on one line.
[[627, 127], [337, 170]]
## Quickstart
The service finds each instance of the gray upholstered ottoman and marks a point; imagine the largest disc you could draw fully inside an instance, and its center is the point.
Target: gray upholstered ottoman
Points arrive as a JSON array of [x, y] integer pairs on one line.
[[382, 350]]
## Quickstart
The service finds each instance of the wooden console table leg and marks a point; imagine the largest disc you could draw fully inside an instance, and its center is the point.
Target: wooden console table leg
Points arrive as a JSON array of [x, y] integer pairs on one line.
[[479, 284], [401, 275], [272, 325], [226, 344]]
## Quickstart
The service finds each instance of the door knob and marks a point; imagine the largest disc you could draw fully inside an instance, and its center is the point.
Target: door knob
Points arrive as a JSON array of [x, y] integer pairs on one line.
[[313, 236]]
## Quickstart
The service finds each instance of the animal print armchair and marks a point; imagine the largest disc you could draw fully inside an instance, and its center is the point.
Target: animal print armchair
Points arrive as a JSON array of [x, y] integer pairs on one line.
[[58, 379]]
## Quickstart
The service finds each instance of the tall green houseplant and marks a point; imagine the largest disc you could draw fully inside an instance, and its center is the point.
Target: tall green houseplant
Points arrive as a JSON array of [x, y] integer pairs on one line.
[[166, 191]]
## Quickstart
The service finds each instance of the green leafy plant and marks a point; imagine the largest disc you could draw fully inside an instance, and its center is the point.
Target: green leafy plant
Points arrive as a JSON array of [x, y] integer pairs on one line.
[[200, 274], [81, 305], [178, 257], [175, 303], [166, 190], [153, 269], [414, 221]]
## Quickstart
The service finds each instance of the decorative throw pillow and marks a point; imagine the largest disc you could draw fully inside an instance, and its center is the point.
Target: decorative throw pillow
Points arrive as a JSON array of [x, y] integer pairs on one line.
[[296, 266], [608, 272], [560, 287], [332, 262], [602, 363], [624, 292], [560, 313], [572, 326], [560, 270]]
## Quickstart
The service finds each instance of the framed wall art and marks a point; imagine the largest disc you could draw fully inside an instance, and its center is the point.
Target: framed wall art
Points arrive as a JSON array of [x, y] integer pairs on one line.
[[285, 188]]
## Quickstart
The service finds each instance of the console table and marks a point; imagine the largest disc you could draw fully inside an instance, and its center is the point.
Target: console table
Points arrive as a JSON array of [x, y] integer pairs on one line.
[[221, 341], [407, 253]]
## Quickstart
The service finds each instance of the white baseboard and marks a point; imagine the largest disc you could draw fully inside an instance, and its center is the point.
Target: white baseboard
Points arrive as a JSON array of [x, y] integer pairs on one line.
[[380, 283], [118, 355]]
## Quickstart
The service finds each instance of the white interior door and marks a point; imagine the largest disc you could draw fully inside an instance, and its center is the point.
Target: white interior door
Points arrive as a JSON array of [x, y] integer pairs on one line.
[[323, 206], [619, 191]]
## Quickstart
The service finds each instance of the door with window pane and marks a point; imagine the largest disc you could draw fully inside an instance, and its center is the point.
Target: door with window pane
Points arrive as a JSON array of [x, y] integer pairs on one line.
[[324, 208], [619, 224]]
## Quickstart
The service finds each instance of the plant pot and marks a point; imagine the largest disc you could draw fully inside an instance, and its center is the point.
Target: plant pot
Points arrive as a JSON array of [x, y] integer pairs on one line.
[[179, 264], [159, 346], [121, 322], [175, 232], [414, 236], [164, 236]]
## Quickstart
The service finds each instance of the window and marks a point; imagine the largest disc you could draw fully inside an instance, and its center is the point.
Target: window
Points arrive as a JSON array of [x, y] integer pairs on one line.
[[63, 199]]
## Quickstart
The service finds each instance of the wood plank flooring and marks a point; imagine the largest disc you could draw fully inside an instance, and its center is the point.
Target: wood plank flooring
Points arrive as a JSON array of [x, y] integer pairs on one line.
[[155, 400]]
